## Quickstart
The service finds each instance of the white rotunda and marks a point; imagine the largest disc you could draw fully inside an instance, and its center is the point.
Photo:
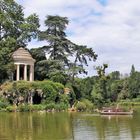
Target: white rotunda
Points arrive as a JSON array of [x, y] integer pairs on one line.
[[24, 65]]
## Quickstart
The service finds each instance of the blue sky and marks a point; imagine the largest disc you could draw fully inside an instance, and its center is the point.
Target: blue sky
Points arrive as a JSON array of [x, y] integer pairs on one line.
[[110, 27]]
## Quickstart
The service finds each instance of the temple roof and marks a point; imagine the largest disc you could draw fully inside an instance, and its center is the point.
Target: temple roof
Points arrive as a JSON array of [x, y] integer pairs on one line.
[[22, 54]]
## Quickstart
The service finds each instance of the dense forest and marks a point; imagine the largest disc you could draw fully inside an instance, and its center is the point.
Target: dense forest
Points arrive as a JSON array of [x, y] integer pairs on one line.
[[60, 69]]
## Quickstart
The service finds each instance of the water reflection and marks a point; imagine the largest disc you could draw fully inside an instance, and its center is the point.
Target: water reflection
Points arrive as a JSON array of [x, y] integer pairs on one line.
[[109, 127], [34, 126], [68, 126]]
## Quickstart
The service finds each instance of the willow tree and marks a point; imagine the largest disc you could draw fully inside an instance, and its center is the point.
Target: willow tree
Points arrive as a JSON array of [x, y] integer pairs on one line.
[[15, 31]]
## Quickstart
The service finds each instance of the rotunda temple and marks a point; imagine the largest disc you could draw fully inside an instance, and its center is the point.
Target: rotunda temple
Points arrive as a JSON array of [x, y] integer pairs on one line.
[[24, 65]]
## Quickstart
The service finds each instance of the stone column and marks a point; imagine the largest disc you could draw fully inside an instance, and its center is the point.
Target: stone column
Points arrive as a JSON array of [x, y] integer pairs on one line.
[[25, 72], [18, 72], [31, 72]]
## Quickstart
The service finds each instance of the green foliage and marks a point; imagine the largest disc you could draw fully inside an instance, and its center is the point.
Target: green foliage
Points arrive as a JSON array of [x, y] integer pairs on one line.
[[81, 106], [82, 54], [134, 84], [19, 92], [23, 108], [89, 104], [97, 97], [14, 27], [56, 107], [41, 70], [71, 96], [50, 106], [59, 67], [55, 35], [59, 47], [84, 87], [114, 89], [129, 103], [11, 108], [15, 31], [115, 75], [84, 105], [36, 107], [3, 105], [62, 106], [132, 70]]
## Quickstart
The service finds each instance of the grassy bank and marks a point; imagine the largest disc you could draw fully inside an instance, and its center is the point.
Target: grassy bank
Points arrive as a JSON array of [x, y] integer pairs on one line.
[[133, 102]]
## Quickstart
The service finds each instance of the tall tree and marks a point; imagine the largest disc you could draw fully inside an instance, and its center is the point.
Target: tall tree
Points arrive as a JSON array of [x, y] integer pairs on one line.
[[59, 46], [99, 92], [132, 70], [14, 28], [70, 56], [15, 31]]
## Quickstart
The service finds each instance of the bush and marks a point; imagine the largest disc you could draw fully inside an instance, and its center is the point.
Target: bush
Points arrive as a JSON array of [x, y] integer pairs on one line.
[[61, 107], [89, 104], [136, 99], [11, 108], [23, 108], [56, 107], [36, 107], [50, 106], [81, 106], [84, 105], [3, 104]]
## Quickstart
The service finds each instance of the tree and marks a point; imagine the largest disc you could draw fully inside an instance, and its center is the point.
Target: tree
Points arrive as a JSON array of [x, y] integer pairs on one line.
[[70, 56], [115, 75], [134, 85], [59, 46], [81, 54], [47, 69], [132, 70], [40, 70], [99, 92], [15, 31]]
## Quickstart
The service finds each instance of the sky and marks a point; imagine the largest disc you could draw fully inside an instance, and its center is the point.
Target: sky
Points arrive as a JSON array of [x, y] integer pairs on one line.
[[110, 27]]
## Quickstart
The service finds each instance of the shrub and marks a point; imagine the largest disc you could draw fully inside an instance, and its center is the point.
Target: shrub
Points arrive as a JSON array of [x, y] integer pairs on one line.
[[61, 107], [3, 104], [89, 104], [36, 107], [84, 105], [81, 106], [11, 108], [23, 108], [50, 106], [136, 99]]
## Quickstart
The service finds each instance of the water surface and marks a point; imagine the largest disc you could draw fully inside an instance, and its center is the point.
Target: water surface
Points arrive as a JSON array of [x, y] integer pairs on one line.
[[68, 126]]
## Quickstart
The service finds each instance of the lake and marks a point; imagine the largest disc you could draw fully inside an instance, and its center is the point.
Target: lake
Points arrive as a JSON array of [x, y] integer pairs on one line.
[[68, 126]]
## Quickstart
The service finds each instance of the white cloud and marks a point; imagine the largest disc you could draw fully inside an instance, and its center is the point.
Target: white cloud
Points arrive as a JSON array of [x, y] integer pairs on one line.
[[112, 30]]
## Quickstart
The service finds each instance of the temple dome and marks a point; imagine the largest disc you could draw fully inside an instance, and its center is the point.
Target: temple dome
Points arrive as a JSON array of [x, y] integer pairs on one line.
[[24, 64], [22, 54]]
